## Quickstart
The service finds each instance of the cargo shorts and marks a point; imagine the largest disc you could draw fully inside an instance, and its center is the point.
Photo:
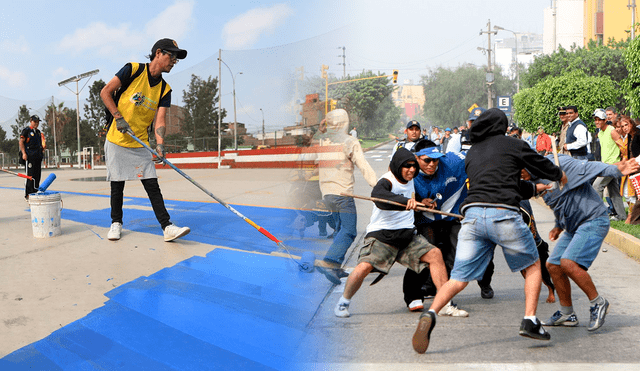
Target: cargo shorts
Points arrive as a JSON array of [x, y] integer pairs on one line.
[[382, 255]]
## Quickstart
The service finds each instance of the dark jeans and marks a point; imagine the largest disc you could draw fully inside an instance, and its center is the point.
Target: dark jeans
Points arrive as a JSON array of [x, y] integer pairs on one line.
[[345, 209], [155, 196], [34, 170], [443, 235]]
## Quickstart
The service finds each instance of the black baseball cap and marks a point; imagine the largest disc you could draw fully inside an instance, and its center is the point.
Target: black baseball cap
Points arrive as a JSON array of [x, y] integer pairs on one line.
[[34, 118], [170, 46], [413, 123]]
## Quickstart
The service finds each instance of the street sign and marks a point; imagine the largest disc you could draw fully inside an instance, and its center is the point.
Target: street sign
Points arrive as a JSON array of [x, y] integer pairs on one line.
[[504, 103]]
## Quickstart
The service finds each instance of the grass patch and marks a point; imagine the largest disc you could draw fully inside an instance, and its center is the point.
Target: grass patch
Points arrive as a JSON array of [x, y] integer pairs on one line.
[[633, 230]]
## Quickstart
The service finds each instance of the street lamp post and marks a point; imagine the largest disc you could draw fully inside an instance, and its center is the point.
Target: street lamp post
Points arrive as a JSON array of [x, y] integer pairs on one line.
[[76, 79], [235, 121], [262, 126], [515, 36]]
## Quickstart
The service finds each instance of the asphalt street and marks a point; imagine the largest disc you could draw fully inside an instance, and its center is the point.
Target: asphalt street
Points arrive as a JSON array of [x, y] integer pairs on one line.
[[48, 284], [378, 334]]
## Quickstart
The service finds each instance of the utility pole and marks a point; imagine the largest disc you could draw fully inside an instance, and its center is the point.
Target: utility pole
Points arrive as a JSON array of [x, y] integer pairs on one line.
[[219, 108], [344, 63], [632, 6], [554, 13], [76, 79], [490, 78], [262, 126], [55, 145]]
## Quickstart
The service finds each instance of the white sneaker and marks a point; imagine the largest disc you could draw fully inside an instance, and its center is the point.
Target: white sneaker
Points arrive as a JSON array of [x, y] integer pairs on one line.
[[341, 310], [115, 231], [172, 231], [416, 306], [452, 310]]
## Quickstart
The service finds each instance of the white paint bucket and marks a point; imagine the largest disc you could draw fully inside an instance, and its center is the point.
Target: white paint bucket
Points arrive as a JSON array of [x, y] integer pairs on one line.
[[45, 214]]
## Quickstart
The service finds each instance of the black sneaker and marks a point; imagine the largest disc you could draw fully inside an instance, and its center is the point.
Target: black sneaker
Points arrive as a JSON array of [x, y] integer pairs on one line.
[[533, 330], [486, 292], [423, 332]]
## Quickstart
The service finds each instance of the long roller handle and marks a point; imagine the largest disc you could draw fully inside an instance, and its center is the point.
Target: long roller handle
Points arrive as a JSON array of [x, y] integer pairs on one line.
[[164, 160]]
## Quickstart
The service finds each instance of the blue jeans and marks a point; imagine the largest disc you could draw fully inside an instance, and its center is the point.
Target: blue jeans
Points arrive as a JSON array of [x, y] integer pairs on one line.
[[583, 245], [345, 210], [482, 229]]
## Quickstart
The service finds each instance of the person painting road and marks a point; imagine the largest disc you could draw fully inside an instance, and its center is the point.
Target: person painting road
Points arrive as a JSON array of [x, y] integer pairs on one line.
[[136, 97]]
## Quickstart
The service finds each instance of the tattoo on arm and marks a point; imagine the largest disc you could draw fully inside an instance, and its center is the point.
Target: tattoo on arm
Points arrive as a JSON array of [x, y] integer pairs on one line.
[[160, 131]]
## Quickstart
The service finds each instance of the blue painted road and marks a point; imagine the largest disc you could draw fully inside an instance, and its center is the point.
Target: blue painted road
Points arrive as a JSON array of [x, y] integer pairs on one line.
[[229, 310]]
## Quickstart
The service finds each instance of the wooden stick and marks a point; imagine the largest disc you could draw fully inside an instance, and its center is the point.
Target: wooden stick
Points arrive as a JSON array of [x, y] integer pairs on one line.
[[421, 206]]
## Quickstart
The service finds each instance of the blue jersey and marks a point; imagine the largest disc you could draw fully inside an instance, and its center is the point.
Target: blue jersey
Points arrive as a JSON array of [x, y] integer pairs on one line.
[[449, 181]]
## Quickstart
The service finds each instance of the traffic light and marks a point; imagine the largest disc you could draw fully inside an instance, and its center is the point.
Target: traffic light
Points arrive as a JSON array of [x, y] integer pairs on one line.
[[324, 71], [332, 104], [395, 76]]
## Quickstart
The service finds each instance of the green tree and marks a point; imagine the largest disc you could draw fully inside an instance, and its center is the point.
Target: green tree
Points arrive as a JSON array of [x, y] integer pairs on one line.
[[22, 121], [54, 117], [95, 115], [594, 60], [449, 92], [631, 84], [68, 119], [539, 105], [200, 114], [368, 101]]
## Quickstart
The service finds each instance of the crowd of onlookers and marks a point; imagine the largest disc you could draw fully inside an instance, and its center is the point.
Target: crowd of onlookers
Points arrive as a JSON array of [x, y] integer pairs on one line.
[[613, 140]]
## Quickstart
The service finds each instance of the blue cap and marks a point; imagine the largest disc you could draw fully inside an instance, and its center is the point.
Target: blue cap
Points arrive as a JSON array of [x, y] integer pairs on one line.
[[475, 113], [432, 152], [447, 129], [413, 123]]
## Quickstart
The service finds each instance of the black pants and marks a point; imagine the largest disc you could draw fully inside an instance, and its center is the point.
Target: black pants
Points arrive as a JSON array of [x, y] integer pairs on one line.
[[155, 196], [34, 170], [444, 235]]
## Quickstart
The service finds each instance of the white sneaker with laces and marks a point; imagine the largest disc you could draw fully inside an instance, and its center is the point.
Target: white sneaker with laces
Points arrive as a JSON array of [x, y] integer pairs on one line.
[[452, 310], [115, 231], [416, 305], [172, 231], [341, 310]]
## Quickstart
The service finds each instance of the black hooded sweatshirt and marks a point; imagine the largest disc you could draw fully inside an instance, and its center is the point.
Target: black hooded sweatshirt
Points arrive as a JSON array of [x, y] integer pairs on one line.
[[494, 162], [399, 238]]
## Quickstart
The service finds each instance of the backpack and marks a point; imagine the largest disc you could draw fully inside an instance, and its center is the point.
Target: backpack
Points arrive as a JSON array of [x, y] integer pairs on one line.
[[116, 94]]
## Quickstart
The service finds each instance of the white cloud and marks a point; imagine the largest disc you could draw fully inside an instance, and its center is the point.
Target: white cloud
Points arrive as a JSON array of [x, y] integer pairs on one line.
[[12, 78], [245, 30], [113, 41], [61, 72], [174, 22], [102, 39], [18, 46]]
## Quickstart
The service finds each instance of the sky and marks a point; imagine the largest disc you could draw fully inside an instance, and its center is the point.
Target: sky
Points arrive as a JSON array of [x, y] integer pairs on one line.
[[263, 43]]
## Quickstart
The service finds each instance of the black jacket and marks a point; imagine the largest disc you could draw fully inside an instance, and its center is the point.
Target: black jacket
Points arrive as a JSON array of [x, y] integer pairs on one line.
[[494, 162]]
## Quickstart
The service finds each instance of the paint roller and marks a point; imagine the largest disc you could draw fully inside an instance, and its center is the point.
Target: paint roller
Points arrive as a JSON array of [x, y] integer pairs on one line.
[[43, 187]]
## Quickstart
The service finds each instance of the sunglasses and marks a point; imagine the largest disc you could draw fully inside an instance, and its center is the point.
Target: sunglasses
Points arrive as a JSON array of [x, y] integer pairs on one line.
[[409, 165], [429, 160], [561, 113], [174, 56]]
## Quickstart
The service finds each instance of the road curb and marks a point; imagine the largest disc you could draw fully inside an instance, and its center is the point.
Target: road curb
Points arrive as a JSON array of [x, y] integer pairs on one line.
[[624, 242]]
